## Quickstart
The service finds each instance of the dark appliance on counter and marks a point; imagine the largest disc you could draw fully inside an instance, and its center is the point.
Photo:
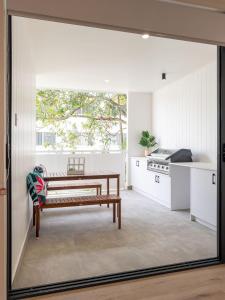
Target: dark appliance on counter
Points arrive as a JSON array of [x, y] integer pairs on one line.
[[158, 160]]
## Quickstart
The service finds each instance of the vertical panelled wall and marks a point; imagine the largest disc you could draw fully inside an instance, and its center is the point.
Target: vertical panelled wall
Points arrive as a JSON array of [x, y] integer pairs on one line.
[[139, 112], [185, 113], [23, 137], [139, 118]]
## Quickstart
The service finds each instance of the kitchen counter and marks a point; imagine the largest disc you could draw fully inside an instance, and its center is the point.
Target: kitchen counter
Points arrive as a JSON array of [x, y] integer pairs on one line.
[[197, 165], [138, 157], [160, 187]]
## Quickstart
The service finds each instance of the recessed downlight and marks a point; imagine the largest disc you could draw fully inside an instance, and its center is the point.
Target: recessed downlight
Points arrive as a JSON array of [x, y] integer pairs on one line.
[[145, 36], [106, 80]]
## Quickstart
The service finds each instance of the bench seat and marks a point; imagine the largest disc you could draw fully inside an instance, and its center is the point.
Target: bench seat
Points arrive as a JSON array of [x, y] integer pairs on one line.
[[80, 200], [69, 186], [57, 202]]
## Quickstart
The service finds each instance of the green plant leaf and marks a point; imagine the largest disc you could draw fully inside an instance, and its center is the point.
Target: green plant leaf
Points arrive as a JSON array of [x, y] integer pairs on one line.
[[147, 140]]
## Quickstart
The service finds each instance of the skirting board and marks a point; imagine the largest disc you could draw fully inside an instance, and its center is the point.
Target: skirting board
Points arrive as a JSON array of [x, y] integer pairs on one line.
[[150, 197], [22, 251], [210, 226]]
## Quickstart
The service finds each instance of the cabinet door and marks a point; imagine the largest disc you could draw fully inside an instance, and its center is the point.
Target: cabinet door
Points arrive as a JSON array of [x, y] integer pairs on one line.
[[204, 195], [143, 178], [151, 185], [138, 168], [159, 188], [133, 172], [164, 189]]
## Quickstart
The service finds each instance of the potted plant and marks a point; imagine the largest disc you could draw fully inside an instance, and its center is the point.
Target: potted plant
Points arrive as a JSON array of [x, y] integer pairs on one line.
[[147, 140]]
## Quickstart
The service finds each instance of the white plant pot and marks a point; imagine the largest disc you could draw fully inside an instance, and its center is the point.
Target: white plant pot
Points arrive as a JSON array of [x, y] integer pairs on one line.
[[147, 152]]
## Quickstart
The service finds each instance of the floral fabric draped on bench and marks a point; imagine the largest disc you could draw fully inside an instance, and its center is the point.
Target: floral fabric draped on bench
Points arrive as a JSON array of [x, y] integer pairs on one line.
[[36, 188]]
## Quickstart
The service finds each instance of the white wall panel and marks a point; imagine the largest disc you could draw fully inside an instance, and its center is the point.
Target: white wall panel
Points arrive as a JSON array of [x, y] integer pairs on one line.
[[185, 114], [139, 119], [23, 138]]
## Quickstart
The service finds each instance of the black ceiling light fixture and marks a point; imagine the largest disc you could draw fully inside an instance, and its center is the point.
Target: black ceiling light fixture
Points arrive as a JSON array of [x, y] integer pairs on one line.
[[163, 76]]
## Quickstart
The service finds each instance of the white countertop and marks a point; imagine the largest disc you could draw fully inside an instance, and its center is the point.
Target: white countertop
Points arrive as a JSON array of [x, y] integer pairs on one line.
[[139, 157], [197, 165]]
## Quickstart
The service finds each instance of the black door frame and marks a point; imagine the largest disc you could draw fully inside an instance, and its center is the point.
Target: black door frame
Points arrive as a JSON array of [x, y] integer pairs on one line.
[[99, 280]]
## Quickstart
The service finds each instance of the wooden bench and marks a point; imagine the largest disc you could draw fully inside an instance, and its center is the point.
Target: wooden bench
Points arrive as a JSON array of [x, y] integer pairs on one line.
[[93, 185], [79, 201]]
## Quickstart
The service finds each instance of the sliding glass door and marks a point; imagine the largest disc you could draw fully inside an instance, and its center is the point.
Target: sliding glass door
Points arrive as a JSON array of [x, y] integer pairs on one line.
[[115, 155]]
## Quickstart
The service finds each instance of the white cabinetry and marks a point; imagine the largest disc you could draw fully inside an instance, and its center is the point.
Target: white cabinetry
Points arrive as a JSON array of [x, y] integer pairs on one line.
[[189, 186], [161, 189], [139, 173], [204, 196], [158, 187]]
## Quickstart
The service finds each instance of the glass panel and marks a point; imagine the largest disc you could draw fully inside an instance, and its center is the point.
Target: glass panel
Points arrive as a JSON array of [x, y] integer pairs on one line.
[[38, 138], [49, 138]]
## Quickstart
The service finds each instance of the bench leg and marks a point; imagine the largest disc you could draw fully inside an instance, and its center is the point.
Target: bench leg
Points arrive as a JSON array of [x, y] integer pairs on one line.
[[98, 192], [114, 213], [119, 215], [37, 221], [108, 189], [34, 215]]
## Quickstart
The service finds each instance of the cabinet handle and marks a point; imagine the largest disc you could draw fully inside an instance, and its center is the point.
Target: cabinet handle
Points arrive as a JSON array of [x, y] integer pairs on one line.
[[137, 163], [158, 179], [213, 178]]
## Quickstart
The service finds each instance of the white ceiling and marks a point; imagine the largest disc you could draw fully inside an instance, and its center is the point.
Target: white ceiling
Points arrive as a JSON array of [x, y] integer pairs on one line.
[[78, 57]]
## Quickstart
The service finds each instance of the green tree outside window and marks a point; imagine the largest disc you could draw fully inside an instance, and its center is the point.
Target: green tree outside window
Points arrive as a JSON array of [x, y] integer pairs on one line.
[[103, 115]]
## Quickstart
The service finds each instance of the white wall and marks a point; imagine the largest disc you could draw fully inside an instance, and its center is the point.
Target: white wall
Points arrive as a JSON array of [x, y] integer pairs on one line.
[[23, 139], [139, 118], [94, 162], [185, 113]]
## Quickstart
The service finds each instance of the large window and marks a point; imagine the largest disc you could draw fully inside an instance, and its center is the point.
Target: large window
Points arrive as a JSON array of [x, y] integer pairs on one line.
[[72, 120], [45, 139]]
